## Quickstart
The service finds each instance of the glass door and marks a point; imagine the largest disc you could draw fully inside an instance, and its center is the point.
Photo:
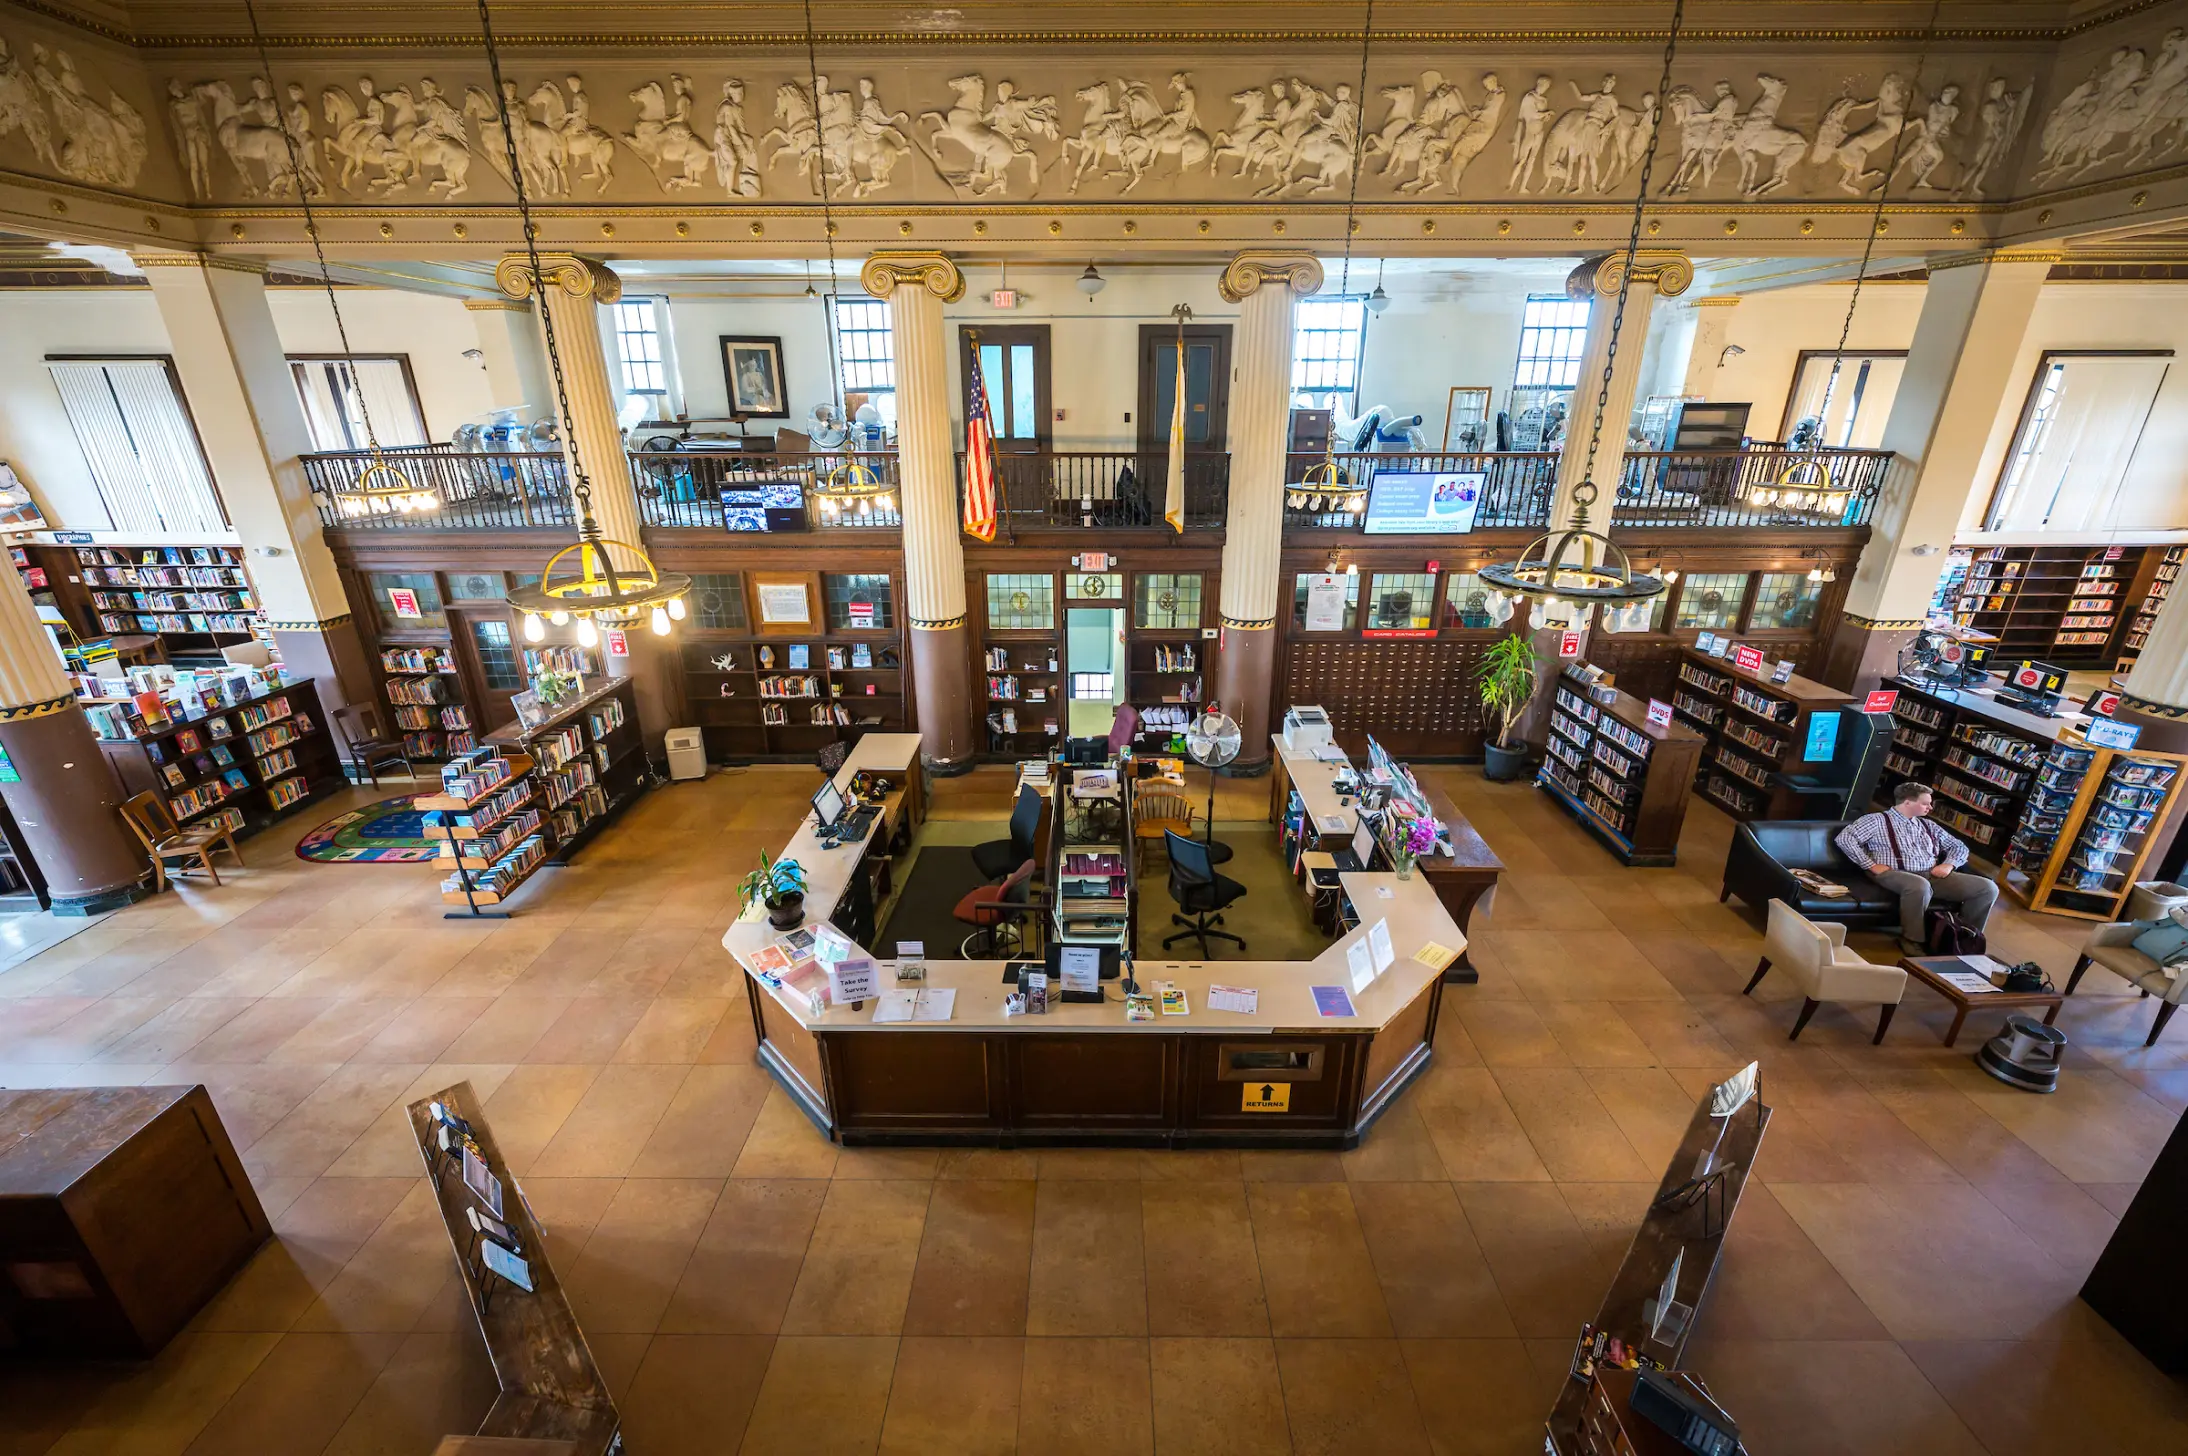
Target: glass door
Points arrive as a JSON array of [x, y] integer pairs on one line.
[[486, 646], [1014, 371], [1095, 669]]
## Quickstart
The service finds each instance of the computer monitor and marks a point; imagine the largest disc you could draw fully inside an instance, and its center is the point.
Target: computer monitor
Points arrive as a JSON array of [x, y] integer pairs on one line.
[[2037, 677], [1086, 751], [828, 804], [1054, 962], [1363, 843]]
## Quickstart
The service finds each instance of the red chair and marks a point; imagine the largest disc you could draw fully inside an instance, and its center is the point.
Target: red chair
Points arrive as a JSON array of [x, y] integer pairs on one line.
[[994, 911]]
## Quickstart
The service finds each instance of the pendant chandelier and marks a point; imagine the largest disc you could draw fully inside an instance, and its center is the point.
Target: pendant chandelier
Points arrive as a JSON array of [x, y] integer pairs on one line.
[[581, 581], [1807, 487], [1576, 564], [381, 488]]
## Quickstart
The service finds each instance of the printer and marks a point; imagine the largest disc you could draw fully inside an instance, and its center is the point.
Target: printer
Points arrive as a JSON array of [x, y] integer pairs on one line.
[[1306, 729]]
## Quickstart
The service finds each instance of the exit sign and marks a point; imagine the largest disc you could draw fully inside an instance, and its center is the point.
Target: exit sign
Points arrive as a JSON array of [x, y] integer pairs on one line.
[[1003, 298]]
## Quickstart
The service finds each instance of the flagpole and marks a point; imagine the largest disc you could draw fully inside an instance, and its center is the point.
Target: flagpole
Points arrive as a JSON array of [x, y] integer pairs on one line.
[[1174, 488]]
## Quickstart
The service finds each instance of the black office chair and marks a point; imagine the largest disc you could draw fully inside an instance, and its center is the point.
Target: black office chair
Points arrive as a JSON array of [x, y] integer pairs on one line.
[[998, 857], [1200, 893]]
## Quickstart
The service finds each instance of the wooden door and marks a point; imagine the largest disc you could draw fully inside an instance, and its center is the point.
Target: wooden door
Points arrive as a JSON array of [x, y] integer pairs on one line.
[[1207, 386], [1014, 370], [490, 657]]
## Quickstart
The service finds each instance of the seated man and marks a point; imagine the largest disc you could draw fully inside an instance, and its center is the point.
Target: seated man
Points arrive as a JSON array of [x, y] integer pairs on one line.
[[1908, 855]]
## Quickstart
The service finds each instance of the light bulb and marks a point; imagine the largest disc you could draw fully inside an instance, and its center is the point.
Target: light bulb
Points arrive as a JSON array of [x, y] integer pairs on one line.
[[1815, 573], [587, 635], [534, 629], [559, 617], [1671, 576], [1352, 568], [884, 503], [660, 621], [1378, 300], [676, 608]]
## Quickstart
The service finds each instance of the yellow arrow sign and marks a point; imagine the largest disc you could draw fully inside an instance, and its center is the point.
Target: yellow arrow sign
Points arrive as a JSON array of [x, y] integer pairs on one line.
[[1267, 1097]]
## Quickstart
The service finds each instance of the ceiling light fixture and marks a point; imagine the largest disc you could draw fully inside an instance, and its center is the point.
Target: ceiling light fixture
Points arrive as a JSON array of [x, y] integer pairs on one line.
[[1091, 281], [1378, 300]]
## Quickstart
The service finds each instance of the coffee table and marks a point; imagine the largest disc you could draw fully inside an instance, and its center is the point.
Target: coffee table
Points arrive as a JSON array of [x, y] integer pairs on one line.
[[1927, 970]]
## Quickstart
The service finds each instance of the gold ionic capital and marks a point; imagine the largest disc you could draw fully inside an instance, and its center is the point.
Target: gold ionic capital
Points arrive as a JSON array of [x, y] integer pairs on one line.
[[1668, 271], [935, 272], [1245, 273], [1939, 262], [577, 276]]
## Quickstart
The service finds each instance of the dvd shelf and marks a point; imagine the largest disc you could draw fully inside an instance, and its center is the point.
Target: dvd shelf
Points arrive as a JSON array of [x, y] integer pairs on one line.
[[2163, 574], [2088, 827], [1981, 760], [2062, 604], [239, 767], [1752, 728], [1624, 778]]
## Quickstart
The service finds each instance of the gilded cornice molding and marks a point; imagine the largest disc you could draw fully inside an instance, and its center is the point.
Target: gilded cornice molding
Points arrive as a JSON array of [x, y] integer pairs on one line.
[[1723, 300], [579, 277], [198, 260], [496, 305], [1881, 624], [935, 272], [45, 709], [309, 626], [1246, 272], [1669, 271], [2048, 256]]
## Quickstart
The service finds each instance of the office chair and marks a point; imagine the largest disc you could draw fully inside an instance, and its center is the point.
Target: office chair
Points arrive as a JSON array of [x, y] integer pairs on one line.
[[1200, 893], [1123, 729], [998, 857], [996, 914]]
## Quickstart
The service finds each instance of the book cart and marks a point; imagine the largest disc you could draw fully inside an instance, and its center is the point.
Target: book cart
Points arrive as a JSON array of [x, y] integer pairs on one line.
[[2088, 827], [1754, 730], [533, 796], [239, 767], [1624, 778], [1978, 757]]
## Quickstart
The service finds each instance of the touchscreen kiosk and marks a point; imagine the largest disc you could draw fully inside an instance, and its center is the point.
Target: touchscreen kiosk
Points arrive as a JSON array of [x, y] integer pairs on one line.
[[828, 805]]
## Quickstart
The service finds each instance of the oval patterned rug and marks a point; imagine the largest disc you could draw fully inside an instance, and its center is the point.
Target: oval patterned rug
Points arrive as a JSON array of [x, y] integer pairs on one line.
[[389, 832]]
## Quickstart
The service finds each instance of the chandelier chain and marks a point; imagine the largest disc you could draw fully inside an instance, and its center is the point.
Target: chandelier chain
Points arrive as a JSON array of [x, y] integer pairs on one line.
[[581, 485], [1359, 142], [311, 228], [1633, 249], [828, 219], [1884, 187]]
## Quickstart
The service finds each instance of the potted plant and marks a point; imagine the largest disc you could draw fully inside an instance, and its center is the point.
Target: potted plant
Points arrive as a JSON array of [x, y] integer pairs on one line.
[[780, 885], [1507, 683]]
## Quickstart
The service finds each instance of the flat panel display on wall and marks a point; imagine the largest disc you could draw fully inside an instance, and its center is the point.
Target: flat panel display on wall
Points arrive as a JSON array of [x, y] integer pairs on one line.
[[1422, 502]]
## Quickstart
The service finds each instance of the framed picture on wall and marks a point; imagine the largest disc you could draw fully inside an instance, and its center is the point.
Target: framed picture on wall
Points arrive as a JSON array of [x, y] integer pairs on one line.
[[753, 364]]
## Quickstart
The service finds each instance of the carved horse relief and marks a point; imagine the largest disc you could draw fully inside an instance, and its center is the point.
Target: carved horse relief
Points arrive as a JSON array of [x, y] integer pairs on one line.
[[667, 140], [105, 144], [1837, 140], [1445, 156], [1707, 131], [250, 136], [995, 137], [855, 150], [1132, 128], [360, 139], [2129, 102], [1596, 143], [2000, 118], [1930, 131], [539, 147], [576, 141], [20, 109]]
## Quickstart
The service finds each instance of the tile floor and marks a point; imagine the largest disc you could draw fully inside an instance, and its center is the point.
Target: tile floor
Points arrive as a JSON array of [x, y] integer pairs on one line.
[[1901, 1278]]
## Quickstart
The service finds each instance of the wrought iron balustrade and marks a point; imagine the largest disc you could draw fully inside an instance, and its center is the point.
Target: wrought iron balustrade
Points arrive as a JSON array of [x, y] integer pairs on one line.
[[1753, 487], [1515, 493], [476, 492], [1108, 489], [683, 488]]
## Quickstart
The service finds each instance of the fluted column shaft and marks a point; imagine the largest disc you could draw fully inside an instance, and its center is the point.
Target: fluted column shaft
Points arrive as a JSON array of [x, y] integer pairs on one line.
[[916, 286], [1597, 280], [65, 798], [1266, 286]]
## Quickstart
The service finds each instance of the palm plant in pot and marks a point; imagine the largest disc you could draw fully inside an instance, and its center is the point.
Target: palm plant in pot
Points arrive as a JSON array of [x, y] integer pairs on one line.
[[780, 885], [1507, 683]]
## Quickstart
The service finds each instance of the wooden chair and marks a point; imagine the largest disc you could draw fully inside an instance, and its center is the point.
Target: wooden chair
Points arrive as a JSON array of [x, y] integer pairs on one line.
[[369, 752], [164, 839], [1154, 815]]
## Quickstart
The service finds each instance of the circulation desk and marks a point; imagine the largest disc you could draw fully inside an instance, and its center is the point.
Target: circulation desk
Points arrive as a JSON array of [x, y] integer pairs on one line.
[[1083, 1075]]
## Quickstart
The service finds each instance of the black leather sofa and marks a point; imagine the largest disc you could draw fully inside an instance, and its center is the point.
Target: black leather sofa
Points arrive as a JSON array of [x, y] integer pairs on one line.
[[1765, 852]]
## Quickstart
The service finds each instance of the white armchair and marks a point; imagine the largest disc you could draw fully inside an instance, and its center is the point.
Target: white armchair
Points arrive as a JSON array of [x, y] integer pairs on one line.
[[2112, 947], [1815, 955]]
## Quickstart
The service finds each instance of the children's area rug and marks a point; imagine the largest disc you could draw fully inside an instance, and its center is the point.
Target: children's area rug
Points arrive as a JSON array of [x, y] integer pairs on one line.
[[389, 832]]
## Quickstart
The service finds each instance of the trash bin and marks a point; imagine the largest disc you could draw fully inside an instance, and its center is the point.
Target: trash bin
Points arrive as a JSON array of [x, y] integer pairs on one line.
[[687, 753]]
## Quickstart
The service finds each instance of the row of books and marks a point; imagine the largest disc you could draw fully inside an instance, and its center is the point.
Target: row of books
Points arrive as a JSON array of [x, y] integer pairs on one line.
[[172, 601], [177, 622], [416, 659], [419, 690], [505, 875]]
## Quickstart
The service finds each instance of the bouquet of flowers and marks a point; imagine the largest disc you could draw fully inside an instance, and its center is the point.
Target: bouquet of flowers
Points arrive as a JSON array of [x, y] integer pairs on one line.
[[1415, 838]]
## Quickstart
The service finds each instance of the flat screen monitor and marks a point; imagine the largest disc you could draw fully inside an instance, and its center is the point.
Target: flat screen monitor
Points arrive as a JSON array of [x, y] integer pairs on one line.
[[1085, 751], [1363, 843], [1703, 425], [1823, 738], [2037, 677], [828, 804], [1054, 962], [1424, 502]]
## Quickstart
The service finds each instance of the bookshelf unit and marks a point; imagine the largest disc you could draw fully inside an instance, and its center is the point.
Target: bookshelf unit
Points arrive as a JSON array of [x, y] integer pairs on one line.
[[1624, 778], [1166, 686], [2088, 827], [789, 696], [1979, 758], [491, 833], [426, 702], [195, 599], [54, 580], [2062, 604], [1025, 694], [1753, 731], [589, 760], [2164, 569], [241, 767]]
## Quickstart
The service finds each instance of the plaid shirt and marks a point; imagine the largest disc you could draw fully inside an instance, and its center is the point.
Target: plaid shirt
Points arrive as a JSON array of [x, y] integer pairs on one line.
[[1890, 840]]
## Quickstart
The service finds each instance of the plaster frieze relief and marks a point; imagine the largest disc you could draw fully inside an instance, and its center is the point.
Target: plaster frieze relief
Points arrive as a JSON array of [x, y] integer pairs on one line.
[[2127, 112], [62, 124]]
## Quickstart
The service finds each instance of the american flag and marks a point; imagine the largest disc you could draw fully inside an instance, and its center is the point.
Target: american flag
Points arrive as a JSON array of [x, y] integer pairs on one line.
[[979, 459]]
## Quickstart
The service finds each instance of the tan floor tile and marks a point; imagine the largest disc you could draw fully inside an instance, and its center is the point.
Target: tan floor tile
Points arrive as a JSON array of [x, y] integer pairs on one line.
[[2022, 1398], [1593, 1034], [822, 1395], [1476, 1133], [1214, 1397], [387, 1283], [636, 1254], [975, 1260], [1087, 1275], [1828, 1397], [1397, 1149], [783, 1143], [857, 1276], [741, 1273], [1315, 1268], [954, 1397], [704, 1128], [1575, 1136], [299, 1395], [1203, 1274], [604, 1134], [422, 1030], [158, 1408], [1086, 1397], [1434, 1278], [1537, 1253], [1477, 1397], [1508, 1033], [692, 1395], [589, 1030], [1343, 1396], [507, 1030], [437, 1382]]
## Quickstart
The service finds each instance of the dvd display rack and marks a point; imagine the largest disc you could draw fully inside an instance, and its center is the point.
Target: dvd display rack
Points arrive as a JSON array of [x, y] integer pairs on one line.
[[2166, 570], [2089, 826], [196, 599], [425, 697], [1752, 729], [1025, 696], [1980, 760], [2061, 604], [1624, 778], [237, 767]]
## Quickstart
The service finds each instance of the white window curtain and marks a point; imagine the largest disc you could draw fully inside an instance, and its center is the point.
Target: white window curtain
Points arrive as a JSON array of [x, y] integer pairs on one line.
[[141, 446], [1860, 402], [331, 393], [2071, 453]]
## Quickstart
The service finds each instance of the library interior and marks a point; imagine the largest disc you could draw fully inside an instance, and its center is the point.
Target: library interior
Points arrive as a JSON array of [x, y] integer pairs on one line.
[[1171, 803]]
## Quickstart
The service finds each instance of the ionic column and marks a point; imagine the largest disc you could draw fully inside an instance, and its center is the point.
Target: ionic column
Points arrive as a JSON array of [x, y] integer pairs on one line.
[[62, 792], [573, 291], [916, 285], [1960, 365], [250, 421], [1655, 273], [1266, 286]]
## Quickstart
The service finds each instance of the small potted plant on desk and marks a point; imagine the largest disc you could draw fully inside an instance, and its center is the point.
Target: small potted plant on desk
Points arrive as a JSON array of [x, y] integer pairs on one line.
[[780, 885], [1507, 680]]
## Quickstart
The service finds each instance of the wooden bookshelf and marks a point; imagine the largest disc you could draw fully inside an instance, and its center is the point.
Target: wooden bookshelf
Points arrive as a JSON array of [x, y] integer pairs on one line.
[[1624, 778], [1025, 692], [758, 698], [241, 767], [195, 599], [2062, 604], [1754, 731], [2089, 825], [1167, 682], [2164, 569], [1978, 757], [426, 701], [590, 761]]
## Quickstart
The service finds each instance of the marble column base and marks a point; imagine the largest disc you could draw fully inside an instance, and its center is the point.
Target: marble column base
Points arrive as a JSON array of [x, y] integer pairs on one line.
[[1861, 653], [942, 686], [68, 809], [1245, 684]]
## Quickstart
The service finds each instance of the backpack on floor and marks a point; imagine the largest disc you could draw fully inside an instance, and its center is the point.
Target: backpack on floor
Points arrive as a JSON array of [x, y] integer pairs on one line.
[[1944, 933]]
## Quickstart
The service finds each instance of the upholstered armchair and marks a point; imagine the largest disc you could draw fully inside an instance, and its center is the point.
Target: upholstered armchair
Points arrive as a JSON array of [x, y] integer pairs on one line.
[[1816, 957], [2112, 946]]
